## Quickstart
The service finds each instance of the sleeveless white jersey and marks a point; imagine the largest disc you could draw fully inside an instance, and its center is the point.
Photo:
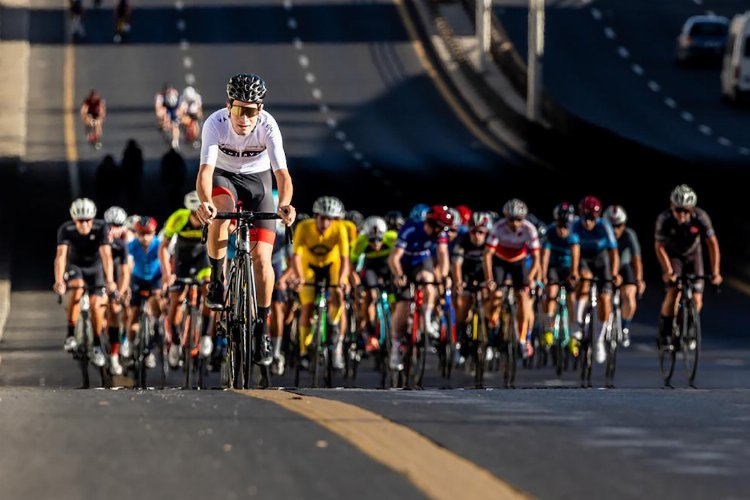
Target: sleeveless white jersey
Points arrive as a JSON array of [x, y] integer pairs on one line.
[[257, 152]]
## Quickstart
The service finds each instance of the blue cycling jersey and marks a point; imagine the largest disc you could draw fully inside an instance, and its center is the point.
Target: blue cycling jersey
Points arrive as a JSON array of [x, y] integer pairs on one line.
[[559, 248], [145, 262], [593, 242], [416, 243]]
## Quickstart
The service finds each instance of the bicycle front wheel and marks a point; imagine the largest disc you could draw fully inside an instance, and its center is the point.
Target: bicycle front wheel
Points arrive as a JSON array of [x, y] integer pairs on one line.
[[691, 341]]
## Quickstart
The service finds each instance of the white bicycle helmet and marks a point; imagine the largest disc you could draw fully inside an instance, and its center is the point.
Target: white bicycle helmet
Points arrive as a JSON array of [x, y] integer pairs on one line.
[[115, 216], [480, 220], [82, 208], [329, 206], [130, 222], [616, 215], [515, 208], [191, 201], [374, 228], [683, 196]]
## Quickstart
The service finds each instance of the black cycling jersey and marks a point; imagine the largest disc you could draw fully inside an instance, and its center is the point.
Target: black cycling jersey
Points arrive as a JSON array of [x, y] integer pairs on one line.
[[628, 247], [83, 251], [683, 239], [464, 248], [120, 252]]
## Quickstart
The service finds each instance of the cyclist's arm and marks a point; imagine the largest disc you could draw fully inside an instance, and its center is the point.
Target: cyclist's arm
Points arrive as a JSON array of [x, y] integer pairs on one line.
[[105, 251], [545, 263], [102, 110], [457, 270], [536, 269], [285, 187], [394, 262], [164, 259], [663, 258], [489, 252], [125, 273], [297, 265], [714, 255], [442, 261], [84, 110], [204, 182], [575, 258], [614, 258], [61, 261]]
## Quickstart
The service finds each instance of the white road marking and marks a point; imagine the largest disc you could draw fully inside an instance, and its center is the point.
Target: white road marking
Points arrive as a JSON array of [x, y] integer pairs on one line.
[[187, 62], [317, 94], [323, 108], [702, 470], [705, 130], [688, 117], [190, 79], [610, 33], [349, 146], [297, 43], [181, 25], [698, 2], [623, 52], [179, 5], [357, 156], [724, 142], [310, 78], [637, 69], [655, 87], [340, 135], [287, 5], [670, 102], [304, 61], [619, 431], [331, 122], [184, 44], [744, 151], [596, 13], [292, 23]]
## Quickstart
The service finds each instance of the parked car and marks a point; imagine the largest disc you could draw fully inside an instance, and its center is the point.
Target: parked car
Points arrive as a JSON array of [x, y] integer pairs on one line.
[[702, 39], [735, 72]]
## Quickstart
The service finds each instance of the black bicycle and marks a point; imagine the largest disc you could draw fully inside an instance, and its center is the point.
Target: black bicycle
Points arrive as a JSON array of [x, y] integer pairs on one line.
[[192, 361], [240, 311], [477, 335], [685, 334], [143, 342]]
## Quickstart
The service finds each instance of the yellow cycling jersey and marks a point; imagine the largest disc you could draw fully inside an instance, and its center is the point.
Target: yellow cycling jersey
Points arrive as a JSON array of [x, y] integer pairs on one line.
[[179, 224], [332, 244], [351, 230]]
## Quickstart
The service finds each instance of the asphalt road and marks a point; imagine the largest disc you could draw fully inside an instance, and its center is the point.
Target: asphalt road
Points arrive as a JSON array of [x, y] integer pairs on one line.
[[612, 63]]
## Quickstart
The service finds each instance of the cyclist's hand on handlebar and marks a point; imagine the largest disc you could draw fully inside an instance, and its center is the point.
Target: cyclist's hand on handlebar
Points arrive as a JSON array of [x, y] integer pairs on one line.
[[573, 278], [641, 287], [716, 279], [111, 287], [617, 280], [491, 285], [287, 213], [59, 288], [206, 211], [669, 277], [400, 281]]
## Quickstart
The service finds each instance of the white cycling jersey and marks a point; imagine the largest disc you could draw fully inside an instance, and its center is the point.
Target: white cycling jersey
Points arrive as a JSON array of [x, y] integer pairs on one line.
[[512, 245], [192, 106], [258, 151]]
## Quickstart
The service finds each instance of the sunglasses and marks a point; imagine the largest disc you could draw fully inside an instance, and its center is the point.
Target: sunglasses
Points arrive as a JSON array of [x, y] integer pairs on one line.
[[244, 110], [480, 232], [681, 210], [589, 217], [84, 221], [617, 226]]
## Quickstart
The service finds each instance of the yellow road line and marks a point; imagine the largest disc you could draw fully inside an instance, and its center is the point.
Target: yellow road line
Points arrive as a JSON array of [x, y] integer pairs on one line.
[[69, 115], [435, 471], [440, 84]]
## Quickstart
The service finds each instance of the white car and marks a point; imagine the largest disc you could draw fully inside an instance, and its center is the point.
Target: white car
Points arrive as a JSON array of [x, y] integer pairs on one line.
[[735, 72]]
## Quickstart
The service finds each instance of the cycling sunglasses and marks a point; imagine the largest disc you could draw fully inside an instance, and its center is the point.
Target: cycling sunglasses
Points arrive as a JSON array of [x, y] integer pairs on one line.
[[84, 221], [681, 210], [244, 110]]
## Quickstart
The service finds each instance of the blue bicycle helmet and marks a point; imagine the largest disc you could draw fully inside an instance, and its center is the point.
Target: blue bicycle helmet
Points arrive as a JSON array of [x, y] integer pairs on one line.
[[419, 212]]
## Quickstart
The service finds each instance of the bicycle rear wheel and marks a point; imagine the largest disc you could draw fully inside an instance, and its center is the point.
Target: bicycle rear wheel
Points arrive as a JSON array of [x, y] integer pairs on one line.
[[510, 339], [587, 345], [318, 327], [691, 341], [479, 332], [610, 344], [187, 352], [84, 343], [667, 354]]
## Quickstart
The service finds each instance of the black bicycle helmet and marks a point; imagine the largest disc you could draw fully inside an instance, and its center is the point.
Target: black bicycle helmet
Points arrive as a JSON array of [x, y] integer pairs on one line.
[[246, 87]]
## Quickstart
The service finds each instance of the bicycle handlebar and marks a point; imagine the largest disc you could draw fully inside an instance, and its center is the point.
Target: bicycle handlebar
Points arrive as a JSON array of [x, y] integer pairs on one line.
[[248, 216]]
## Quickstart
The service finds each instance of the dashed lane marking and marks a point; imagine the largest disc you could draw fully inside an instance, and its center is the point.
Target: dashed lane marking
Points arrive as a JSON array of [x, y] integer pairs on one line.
[[725, 142], [687, 116], [610, 33], [655, 87], [671, 103], [705, 130], [623, 52], [596, 13], [71, 150], [399, 448], [638, 69]]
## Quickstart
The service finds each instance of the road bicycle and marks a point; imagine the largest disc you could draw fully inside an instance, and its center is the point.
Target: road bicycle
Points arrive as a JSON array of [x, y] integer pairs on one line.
[[192, 362]]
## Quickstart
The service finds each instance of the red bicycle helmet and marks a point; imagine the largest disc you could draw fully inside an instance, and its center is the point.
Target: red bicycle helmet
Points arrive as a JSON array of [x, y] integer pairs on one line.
[[590, 205], [145, 225], [465, 213], [440, 215]]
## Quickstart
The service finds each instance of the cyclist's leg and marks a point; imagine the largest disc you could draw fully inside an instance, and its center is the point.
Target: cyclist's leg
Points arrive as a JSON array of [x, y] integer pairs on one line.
[[224, 196], [694, 266], [628, 291], [496, 303], [520, 275], [669, 304], [582, 291]]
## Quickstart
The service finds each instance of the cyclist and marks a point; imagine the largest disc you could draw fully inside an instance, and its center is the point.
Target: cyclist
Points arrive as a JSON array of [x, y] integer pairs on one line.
[[167, 108], [394, 219], [191, 109], [115, 218], [594, 256], [93, 110], [356, 218], [510, 242], [465, 213], [631, 266], [281, 261], [679, 232], [411, 261], [76, 19], [121, 15], [84, 258], [241, 148], [369, 257], [190, 260], [557, 262], [320, 242], [419, 212], [147, 272], [466, 264]]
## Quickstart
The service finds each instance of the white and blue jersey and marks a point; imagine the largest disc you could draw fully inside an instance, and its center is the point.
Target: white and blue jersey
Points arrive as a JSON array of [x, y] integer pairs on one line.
[[416, 243]]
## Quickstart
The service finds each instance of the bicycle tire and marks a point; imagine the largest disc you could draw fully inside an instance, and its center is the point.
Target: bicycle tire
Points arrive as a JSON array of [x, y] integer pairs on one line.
[[691, 342], [83, 351], [479, 332], [316, 344], [512, 345], [667, 355], [422, 348], [558, 332], [250, 317], [408, 356], [587, 347], [449, 346], [385, 344], [187, 350], [610, 343]]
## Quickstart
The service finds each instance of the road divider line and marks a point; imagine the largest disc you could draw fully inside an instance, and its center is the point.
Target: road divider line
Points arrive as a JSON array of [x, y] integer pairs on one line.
[[69, 127], [434, 470]]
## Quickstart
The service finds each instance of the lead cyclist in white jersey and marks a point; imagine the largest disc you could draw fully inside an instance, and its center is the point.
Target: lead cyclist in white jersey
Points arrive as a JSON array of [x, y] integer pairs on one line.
[[241, 148]]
